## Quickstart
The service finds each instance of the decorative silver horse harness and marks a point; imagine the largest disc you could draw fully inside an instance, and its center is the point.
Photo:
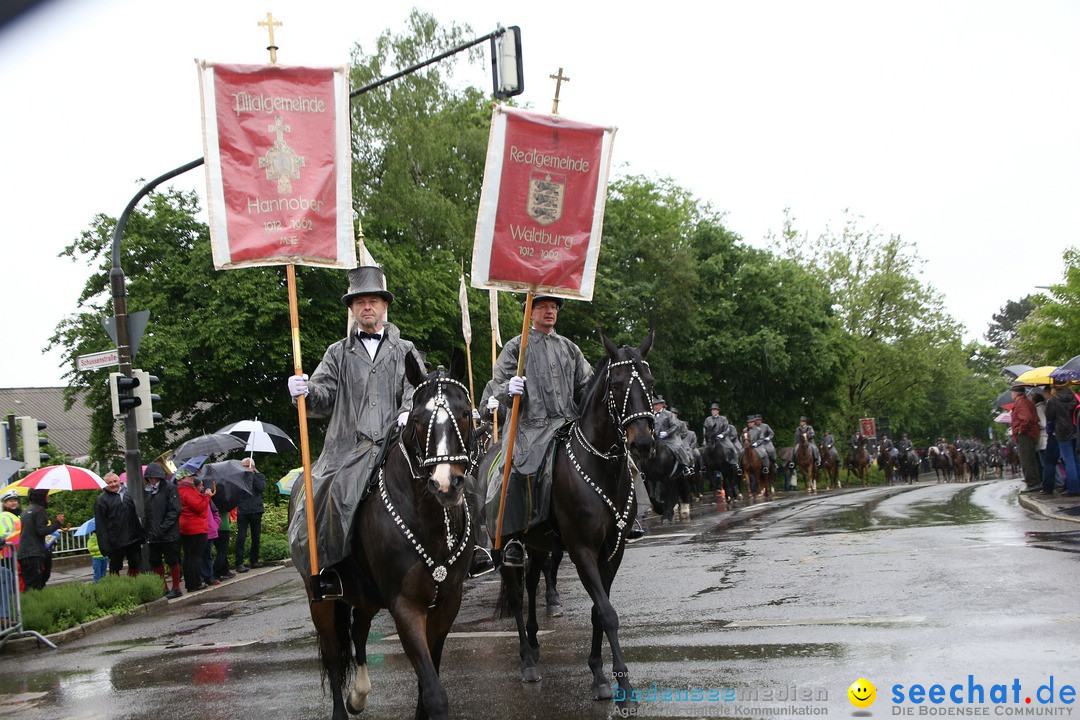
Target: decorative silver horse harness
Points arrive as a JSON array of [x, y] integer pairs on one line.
[[438, 572], [621, 419]]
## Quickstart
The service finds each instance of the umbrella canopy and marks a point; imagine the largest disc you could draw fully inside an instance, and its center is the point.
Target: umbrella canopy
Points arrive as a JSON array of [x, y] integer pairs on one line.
[[1015, 370], [63, 477], [284, 485], [1005, 417], [1003, 399], [259, 436], [1069, 372], [123, 475], [1037, 376], [23, 491], [232, 481], [87, 527], [192, 465], [207, 445]]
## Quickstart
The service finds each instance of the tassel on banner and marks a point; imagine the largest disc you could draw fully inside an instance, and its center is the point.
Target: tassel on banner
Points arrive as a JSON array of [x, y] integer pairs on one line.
[[466, 324]]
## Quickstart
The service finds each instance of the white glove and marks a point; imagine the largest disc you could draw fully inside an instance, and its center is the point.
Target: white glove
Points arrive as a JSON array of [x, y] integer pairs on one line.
[[475, 415], [516, 386], [402, 419], [493, 403], [663, 434], [298, 385]]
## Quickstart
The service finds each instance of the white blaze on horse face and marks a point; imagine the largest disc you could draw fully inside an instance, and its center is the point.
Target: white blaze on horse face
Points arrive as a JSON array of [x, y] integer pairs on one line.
[[441, 419]]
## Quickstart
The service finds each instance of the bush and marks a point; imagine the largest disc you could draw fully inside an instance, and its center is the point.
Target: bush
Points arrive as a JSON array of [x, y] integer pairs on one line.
[[273, 547], [60, 607]]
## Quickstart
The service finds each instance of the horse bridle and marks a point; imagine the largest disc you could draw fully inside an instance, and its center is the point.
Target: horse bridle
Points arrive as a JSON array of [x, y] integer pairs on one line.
[[619, 415], [441, 403]]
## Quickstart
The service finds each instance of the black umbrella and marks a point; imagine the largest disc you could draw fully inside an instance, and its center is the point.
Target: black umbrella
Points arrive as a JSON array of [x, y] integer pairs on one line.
[[232, 480], [207, 445], [1003, 399], [1014, 371], [259, 436]]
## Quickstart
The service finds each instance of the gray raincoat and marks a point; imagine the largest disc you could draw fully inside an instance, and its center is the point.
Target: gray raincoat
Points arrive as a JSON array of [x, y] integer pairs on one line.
[[362, 398], [556, 374]]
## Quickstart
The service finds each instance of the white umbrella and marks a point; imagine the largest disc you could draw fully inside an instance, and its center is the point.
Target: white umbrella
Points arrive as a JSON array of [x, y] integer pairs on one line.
[[259, 436]]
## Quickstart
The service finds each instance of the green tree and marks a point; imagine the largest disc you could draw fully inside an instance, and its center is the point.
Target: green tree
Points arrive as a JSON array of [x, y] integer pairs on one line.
[[1048, 336], [1003, 333]]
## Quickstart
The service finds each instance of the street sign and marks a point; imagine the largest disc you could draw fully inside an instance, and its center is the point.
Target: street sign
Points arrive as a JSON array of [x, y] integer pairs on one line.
[[93, 361], [136, 326]]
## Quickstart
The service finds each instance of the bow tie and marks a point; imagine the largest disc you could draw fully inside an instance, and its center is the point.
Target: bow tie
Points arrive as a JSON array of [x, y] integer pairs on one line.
[[369, 336]]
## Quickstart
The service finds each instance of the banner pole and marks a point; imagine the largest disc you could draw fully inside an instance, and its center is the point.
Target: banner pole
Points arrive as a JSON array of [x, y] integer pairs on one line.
[[472, 390], [508, 459], [495, 412], [305, 448]]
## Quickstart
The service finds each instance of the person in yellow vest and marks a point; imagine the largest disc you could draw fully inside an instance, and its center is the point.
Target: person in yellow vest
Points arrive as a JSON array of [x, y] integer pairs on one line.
[[10, 530]]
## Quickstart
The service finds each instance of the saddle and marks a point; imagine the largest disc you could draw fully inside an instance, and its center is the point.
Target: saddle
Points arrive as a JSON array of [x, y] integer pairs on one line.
[[536, 495]]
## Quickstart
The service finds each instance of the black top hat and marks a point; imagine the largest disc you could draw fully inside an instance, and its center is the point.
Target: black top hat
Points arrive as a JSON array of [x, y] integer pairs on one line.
[[659, 400], [366, 280], [714, 406], [802, 418], [674, 410]]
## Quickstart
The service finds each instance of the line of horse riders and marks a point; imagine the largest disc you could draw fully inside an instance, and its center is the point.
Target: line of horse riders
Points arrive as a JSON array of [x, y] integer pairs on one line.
[[729, 456]]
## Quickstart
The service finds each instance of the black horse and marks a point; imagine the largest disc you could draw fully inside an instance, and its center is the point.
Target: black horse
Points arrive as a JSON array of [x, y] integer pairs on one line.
[[593, 507], [908, 464], [716, 464], [668, 486], [410, 548]]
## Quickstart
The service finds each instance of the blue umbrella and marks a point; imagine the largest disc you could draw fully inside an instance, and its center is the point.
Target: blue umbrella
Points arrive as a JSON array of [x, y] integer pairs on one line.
[[86, 528], [192, 465], [1069, 372]]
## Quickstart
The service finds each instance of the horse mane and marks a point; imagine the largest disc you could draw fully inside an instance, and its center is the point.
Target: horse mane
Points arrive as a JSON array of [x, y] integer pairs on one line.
[[599, 371]]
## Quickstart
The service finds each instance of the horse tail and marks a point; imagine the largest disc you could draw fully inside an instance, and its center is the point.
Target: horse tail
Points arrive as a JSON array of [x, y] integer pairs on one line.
[[342, 630], [511, 593]]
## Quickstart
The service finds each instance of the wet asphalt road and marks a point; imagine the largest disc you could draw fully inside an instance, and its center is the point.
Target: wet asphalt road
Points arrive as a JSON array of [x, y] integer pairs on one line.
[[743, 612]]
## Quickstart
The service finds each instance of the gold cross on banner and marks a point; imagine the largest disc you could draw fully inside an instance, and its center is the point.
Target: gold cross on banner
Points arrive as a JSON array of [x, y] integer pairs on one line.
[[559, 78], [270, 23]]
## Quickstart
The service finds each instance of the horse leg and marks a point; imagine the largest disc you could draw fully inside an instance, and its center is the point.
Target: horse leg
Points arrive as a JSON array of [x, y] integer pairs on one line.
[[605, 621], [551, 578], [537, 560], [511, 601], [331, 620], [411, 621], [361, 688]]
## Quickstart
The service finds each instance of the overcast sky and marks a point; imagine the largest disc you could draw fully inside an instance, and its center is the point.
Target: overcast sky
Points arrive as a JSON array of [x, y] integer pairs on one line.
[[953, 124]]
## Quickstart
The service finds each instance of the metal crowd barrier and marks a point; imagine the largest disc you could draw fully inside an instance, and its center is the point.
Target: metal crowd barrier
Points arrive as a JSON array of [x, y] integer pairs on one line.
[[11, 625], [68, 543]]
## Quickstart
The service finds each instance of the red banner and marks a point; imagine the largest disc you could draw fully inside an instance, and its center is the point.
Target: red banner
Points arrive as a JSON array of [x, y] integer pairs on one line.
[[277, 147], [868, 427], [542, 204]]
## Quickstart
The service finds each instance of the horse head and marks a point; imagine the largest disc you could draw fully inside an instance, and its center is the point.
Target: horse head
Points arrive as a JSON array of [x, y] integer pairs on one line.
[[438, 433], [629, 395]]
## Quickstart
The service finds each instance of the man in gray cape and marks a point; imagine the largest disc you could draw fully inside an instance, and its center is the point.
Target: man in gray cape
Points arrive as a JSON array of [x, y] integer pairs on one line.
[[361, 386], [556, 374]]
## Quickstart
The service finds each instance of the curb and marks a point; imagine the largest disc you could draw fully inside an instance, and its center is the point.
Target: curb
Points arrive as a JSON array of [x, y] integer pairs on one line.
[[1035, 506], [161, 604]]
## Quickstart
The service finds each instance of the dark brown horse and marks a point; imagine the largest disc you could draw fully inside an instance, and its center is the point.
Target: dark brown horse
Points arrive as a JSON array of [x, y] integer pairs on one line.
[[593, 507], [830, 465], [941, 463], [410, 548], [758, 475], [958, 465], [860, 461], [804, 460]]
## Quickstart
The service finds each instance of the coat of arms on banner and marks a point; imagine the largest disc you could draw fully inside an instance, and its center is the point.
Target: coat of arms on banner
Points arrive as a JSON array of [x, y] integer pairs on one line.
[[282, 163], [546, 194]]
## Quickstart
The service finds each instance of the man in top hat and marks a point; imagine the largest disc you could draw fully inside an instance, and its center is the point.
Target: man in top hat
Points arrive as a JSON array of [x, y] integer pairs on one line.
[[554, 380], [806, 429], [761, 439], [360, 385], [1025, 433], [671, 432]]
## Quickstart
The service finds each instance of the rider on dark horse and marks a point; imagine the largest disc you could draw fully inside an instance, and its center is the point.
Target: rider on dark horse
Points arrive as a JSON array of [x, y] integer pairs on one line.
[[557, 373], [361, 386], [829, 442], [761, 439], [718, 431], [807, 430], [672, 433]]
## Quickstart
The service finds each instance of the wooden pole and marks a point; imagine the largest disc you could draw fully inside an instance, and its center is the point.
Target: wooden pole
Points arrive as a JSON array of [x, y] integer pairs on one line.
[[305, 447], [495, 412], [508, 459]]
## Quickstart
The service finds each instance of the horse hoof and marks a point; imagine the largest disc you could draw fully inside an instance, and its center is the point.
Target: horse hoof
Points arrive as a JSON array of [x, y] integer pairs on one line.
[[602, 691], [554, 611], [530, 675]]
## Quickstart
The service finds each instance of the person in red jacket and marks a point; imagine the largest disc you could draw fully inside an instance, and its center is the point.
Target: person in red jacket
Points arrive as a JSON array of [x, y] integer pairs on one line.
[[194, 503], [1025, 431]]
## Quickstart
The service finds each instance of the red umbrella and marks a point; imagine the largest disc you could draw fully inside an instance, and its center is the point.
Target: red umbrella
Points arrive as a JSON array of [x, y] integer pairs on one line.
[[63, 477]]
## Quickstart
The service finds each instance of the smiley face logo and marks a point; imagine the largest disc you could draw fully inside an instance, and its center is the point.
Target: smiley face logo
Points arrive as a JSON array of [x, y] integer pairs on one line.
[[862, 693]]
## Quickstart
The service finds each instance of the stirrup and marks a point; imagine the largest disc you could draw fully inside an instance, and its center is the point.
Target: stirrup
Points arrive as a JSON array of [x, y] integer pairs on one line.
[[329, 584], [637, 530], [513, 554], [481, 563]]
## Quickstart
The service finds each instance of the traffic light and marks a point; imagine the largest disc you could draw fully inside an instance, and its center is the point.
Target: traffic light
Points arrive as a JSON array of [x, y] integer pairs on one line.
[[122, 390], [506, 70], [32, 442], [145, 417]]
